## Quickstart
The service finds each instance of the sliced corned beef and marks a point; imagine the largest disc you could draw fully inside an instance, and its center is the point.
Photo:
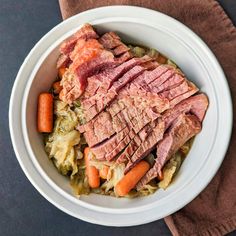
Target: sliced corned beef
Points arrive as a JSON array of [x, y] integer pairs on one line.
[[101, 100], [184, 128], [100, 83], [196, 105], [110, 40], [120, 49], [192, 90], [123, 57], [90, 58], [172, 82], [147, 145], [134, 121], [85, 32]]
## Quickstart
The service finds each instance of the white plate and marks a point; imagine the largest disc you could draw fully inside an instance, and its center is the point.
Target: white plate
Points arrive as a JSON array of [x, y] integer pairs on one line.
[[141, 26]]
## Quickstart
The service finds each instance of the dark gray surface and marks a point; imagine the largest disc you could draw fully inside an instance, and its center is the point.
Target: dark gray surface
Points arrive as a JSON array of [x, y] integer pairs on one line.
[[23, 211]]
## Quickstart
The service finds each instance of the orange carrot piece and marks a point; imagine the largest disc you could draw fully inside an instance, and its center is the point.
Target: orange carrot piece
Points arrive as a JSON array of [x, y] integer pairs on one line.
[[130, 180], [61, 72], [104, 172], [57, 87], [91, 171], [45, 112]]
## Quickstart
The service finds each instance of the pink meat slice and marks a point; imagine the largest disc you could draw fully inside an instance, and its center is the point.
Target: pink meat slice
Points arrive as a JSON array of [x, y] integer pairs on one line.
[[85, 32], [182, 129], [130, 102], [110, 40], [196, 105], [100, 83], [88, 58], [101, 100]]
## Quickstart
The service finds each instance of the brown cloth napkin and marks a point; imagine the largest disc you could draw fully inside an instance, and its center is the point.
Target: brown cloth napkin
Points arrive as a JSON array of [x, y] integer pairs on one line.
[[213, 212]]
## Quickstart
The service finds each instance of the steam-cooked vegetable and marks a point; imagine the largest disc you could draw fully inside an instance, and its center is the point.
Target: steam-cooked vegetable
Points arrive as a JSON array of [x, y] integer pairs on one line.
[[138, 51], [45, 112], [79, 181], [170, 169], [104, 172], [153, 53], [92, 172], [60, 144], [131, 178]]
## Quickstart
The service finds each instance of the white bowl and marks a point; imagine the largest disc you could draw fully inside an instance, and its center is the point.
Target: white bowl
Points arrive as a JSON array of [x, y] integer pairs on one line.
[[139, 26]]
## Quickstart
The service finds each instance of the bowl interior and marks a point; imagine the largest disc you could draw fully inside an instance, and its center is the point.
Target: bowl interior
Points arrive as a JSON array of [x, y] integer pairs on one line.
[[174, 48]]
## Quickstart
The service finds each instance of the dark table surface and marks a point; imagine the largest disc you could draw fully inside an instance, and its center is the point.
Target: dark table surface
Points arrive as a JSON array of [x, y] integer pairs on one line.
[[23, 211]]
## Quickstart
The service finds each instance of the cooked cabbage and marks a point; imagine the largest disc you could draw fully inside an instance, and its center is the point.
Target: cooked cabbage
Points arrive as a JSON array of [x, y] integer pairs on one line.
[[79, 112], [60, 144], [169, 170], [79, 181]]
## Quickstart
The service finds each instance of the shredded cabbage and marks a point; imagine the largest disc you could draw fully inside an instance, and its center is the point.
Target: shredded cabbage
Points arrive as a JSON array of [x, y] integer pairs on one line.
[[169, 170], [61, 142], [79, 181]]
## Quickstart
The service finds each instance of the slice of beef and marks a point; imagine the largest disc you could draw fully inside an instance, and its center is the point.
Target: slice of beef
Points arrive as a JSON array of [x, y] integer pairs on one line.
[[147, 145], [184, 128], [85, 32], [96, 131], [161, 79], [127, 117], [110, 40], [123, 57], [196, 105], [144, 105], [192, 90], [134, 142], [102, 100], [110, 145], [186, 106], [89, 57], [150, 76], [121, 49], [102, 82], [170, 83], [176, 91]]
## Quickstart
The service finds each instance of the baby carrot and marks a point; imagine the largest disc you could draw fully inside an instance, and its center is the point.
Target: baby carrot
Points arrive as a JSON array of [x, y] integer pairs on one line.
[[57, 87], [91, 171], [131, 178], [61, 72], [45, 112], [104, 172]]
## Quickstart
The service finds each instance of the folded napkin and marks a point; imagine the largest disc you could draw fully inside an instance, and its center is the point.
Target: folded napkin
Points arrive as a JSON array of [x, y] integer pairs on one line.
[[213, 212]]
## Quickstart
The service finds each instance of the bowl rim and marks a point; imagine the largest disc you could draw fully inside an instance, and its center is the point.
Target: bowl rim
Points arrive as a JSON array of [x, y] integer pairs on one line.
[[107, 9]]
